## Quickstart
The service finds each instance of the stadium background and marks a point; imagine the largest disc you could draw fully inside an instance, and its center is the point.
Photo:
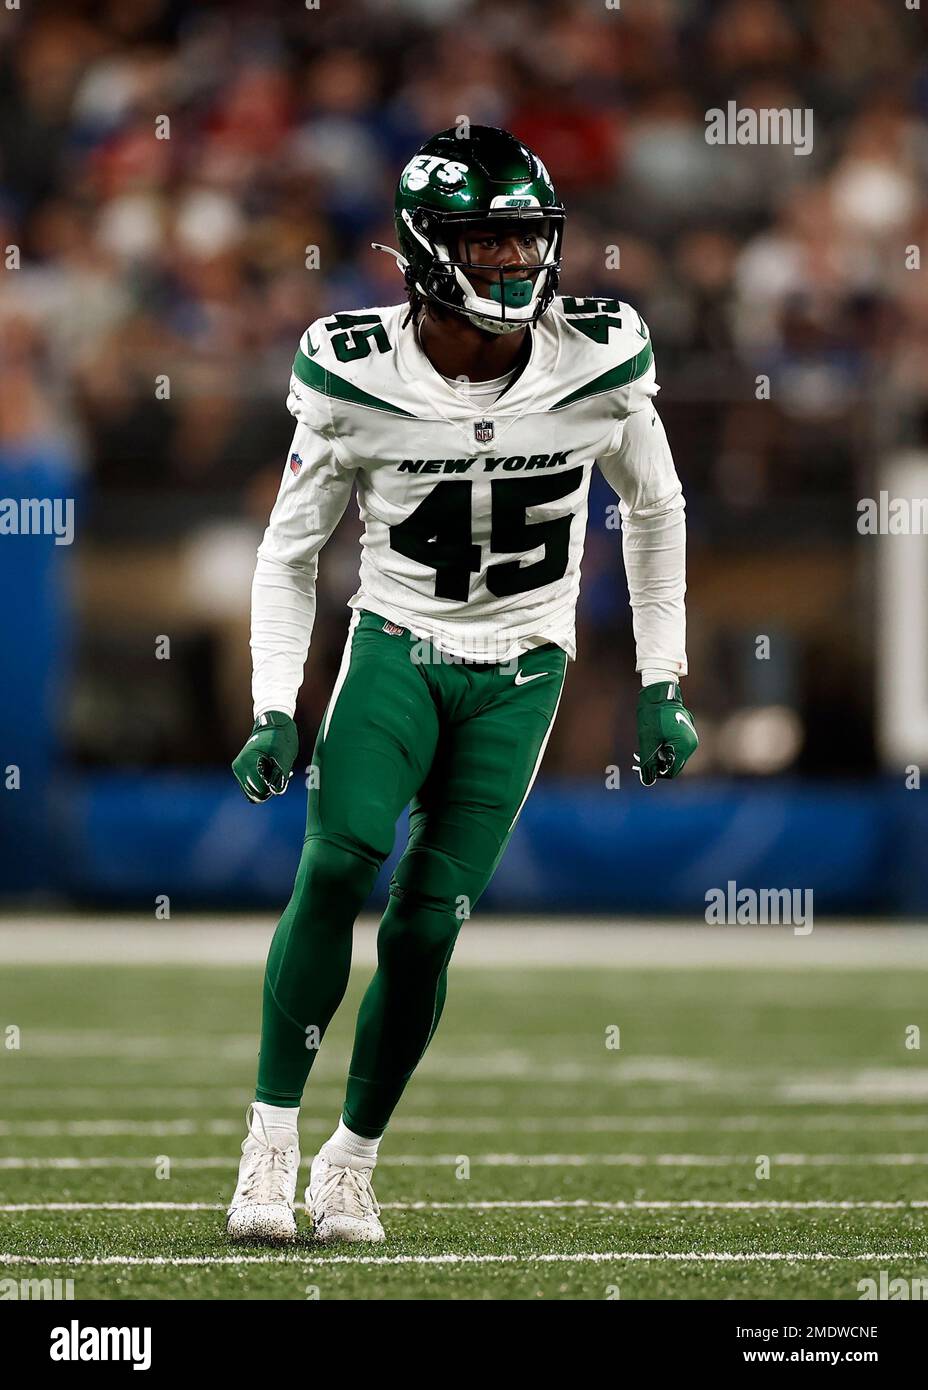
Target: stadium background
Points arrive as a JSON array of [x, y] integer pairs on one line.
[[186, 258]]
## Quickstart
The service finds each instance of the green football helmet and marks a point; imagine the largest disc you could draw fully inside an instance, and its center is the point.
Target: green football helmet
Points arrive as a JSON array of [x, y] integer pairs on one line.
[[455, 184]]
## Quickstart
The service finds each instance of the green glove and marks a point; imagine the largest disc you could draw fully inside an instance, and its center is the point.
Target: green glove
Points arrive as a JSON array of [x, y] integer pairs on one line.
[[667, 737], [264, 766]]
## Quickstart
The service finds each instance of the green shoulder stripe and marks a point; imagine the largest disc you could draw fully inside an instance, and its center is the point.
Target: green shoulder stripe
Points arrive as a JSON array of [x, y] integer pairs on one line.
[[322, 380], [622, 375]]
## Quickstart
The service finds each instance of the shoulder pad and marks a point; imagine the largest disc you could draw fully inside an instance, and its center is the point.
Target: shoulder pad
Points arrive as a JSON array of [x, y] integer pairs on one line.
[[349, 357], [605, 351]]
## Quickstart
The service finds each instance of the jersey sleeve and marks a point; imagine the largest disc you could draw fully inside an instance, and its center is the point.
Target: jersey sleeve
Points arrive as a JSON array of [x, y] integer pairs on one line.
[[314, 492], [638, 394], [638, 465]]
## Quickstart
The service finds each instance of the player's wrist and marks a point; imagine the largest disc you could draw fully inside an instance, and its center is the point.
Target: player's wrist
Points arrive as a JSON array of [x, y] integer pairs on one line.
[[275, 716], [660, 692], [656, 675], [271, 719]]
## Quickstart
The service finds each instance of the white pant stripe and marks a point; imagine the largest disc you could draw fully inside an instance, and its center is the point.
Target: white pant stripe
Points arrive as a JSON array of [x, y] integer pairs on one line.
[[541, 752], [342, 673]]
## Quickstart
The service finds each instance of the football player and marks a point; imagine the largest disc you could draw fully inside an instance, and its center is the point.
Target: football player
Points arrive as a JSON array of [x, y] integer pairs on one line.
[[469, 420]]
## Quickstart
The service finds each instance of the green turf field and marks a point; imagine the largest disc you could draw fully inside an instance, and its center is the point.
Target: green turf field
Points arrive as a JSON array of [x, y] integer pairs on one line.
[[528, 1159]]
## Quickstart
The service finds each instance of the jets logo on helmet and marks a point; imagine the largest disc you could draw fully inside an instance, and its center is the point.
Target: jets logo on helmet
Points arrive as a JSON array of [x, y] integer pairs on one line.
[[489, 183], [422, 168]]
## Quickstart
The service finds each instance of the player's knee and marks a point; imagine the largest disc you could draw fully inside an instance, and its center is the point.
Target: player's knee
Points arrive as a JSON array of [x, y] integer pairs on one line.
[[417, 936], [334, 871], [427, 874]]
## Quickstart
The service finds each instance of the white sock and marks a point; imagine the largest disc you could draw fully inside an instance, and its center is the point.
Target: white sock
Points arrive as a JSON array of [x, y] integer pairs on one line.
[[280, 1124], [349, 1150]]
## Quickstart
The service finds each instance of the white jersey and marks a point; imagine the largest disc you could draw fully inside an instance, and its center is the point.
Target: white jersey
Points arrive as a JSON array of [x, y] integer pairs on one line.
[[474, 515]]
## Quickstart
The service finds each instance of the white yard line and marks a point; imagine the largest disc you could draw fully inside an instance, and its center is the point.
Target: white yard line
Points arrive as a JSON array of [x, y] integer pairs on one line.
[[112, 1127], [167, 1096], [15, 1208], [69, 939], [885, 1085], [504, 1064], [584, 1257], [494, 1160], [20, 1095], [539, 1204], [107, 1129]]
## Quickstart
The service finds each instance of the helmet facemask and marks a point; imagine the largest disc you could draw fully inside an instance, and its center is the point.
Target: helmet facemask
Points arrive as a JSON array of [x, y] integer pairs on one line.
[[498, 298]]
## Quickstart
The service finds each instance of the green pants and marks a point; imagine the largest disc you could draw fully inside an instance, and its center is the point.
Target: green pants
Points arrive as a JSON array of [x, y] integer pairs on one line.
[[459, 743]]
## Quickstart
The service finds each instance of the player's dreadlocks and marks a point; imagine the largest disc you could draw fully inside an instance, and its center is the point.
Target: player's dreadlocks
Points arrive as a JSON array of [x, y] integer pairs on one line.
[[418, 304]]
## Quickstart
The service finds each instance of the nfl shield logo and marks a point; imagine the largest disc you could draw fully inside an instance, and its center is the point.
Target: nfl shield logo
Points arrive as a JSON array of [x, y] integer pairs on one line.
[[483, 431], [296, 463]]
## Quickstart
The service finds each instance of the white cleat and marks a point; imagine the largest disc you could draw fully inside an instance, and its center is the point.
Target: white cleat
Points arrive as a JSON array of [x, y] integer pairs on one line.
[[262, 1207], [341, 1203]]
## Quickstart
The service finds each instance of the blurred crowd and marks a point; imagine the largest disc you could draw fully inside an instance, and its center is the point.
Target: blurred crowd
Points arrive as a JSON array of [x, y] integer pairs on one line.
[[189, 184]]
